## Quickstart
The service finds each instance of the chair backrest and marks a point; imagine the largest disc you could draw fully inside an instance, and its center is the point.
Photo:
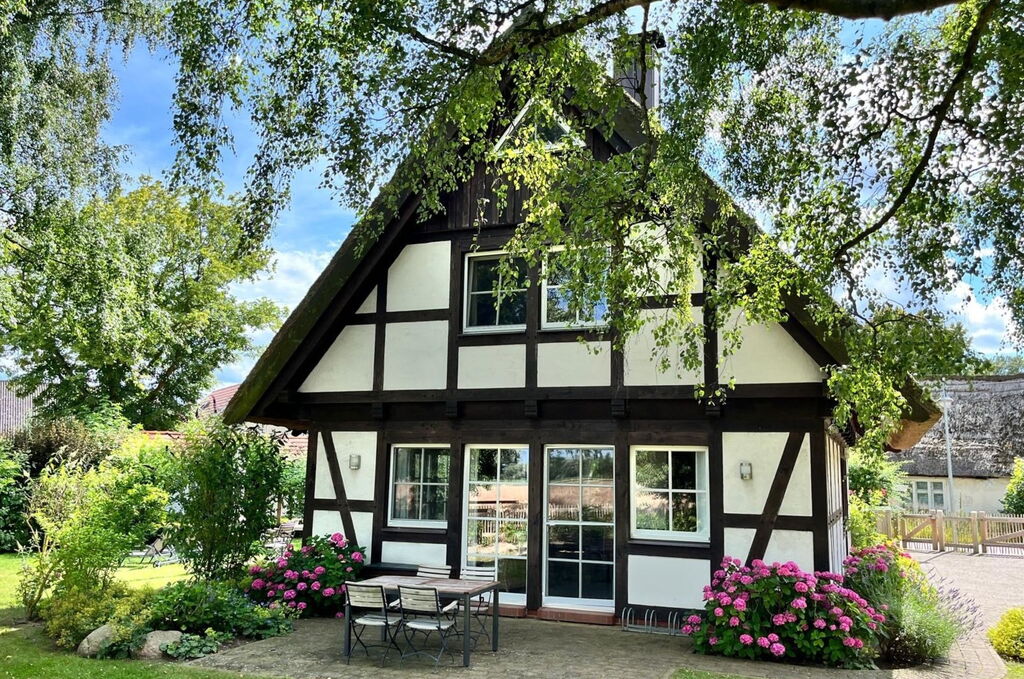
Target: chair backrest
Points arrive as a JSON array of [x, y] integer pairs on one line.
[[419, 599], [366, 596], [487, 573], [434, 571]]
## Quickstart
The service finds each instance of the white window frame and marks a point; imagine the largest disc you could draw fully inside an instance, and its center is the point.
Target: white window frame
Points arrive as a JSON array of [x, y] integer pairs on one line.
[[566, 325], [703, 506], [931, 490], [485, 329], [574, 141], [469, 447], [415, 523]]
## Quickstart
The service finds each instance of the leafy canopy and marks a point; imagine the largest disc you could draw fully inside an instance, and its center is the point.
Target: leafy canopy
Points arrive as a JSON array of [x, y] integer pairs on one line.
[[128, 300]]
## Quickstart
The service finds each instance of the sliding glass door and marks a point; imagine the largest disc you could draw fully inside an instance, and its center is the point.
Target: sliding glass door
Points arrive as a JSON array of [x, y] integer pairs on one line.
[[579, 541], [497, 506]]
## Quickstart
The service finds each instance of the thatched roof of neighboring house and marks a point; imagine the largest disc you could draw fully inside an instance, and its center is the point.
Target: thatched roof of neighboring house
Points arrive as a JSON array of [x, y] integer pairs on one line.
[[14, 410], [986, 429]]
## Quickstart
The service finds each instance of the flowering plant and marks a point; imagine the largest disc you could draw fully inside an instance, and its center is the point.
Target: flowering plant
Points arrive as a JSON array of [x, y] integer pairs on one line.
[[311, 579], [777, 611]]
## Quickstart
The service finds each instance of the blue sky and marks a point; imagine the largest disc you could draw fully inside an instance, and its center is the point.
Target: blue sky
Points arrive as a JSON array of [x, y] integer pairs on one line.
[[314, 224]]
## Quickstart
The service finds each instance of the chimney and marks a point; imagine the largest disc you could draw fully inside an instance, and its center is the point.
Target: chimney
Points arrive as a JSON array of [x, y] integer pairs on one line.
[[627, 70]]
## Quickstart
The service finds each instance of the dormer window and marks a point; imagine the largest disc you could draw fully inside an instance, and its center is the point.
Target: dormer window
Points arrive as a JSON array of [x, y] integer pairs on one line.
[[553, 132], [495, 299]]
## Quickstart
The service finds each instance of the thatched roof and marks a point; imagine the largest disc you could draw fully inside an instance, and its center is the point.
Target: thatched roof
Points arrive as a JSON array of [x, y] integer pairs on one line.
[[986, 428]]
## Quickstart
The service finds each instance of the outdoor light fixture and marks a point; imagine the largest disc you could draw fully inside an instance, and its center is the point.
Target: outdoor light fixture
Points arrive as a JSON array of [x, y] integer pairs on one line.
[[353, 461], [746, 471]]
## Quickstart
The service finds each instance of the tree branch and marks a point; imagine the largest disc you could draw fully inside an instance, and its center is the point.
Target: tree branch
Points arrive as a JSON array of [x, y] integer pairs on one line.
[[939, 112], [450, 50]]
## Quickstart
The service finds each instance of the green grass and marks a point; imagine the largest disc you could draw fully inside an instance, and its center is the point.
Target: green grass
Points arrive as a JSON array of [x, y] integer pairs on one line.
[[26, 653], [1014, 670]]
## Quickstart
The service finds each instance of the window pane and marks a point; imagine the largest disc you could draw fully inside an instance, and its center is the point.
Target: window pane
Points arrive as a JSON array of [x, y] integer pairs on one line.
[[564, 542], [483, 310], [483, 464], [435, 501], [599, 504], [512, 309], [922, 485], [939, 500], [406, 501], [597, 581], [514, 502], [512, 575], [558, 307], [435, 463], [651, 511], [407, 464], [684, 512], [483, 500], [684, 469], [483, 274], [922, 499], [480, 536], [563, 503], [512, 538], [514, 464], [598, 543], [937, 485], [652, 468], [563, 465], [564, 578], [598, 465]]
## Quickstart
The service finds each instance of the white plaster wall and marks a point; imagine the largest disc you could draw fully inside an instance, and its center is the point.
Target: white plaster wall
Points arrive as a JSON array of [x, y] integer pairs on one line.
[[641, 355], [419, 277], [363, 523], [369, 304], [416, 355], [327, 522], [323, 488], [763, 451], [667, 581], [494, 367], [574, 364], [972, 495], [767, 355], [347, 365], [358, 482], [783, 546], [418, 553]]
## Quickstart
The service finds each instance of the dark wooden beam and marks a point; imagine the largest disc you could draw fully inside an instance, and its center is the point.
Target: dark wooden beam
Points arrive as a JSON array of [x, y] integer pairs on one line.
[[776, 495], [339, 487]]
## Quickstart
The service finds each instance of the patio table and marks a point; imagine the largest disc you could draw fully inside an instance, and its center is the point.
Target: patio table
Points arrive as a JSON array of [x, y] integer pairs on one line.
[[459, 589]]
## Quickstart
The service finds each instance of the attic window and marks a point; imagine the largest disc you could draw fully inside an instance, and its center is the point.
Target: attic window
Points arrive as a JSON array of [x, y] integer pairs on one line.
[[553, 133], [494, 299]]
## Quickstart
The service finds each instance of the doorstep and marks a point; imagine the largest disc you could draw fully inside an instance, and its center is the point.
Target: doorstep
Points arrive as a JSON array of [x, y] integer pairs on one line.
[[575, 615], [511, 610]]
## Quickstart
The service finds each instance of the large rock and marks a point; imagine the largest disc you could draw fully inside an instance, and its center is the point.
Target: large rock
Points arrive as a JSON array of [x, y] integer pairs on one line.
[[150, 649], [96, 641]]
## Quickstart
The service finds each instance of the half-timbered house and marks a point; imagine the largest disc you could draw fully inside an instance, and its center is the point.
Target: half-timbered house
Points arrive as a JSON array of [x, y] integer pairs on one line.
[[446, 430]]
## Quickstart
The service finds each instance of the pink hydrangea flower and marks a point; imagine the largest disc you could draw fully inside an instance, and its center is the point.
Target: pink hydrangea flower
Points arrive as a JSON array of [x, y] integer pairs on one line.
[[315, 586], [282, 563], [777, 649], [255, 570], [328, 591], [357, 556], [693, 619], [336, 538], [719, 612], [301, 586], [319, 570], [339, 614], [799, 602], [740, 605], [763, 642], [746, 639], [257, 584], [713, 640], [271, 593], [290, 594], [819, 623], [687, 629], [801, 587], [734, 621], [773, 637], [302, 605]]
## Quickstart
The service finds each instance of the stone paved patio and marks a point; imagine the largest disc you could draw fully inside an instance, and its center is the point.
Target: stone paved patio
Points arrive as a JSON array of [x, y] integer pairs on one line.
[[993, 581], [535, 648]]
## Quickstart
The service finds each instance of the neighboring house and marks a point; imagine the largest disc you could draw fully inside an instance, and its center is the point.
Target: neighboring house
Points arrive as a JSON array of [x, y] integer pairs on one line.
[[986, 433], [446, 433], [295, 444], [15, 410]]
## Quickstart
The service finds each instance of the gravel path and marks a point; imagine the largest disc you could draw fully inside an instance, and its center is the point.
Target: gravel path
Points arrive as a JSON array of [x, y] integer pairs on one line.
[[996, 583]]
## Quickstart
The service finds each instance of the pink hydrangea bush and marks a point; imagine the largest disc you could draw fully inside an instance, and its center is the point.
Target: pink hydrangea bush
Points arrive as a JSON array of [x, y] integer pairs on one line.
[[310, 580], [776, 611]]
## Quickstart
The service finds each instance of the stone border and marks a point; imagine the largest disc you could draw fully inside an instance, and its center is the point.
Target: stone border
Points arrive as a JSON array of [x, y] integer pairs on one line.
[[972, 657]]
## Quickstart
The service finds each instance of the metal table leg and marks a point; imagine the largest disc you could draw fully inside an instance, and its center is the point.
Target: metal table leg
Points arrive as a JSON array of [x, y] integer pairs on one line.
[[494, 619], [465, 631], [348, 632]]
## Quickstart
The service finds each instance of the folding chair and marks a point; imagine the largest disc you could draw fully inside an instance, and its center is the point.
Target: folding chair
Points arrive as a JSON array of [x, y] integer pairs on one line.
[[479, 605], [367, 606], [427, 571], [422, 613]]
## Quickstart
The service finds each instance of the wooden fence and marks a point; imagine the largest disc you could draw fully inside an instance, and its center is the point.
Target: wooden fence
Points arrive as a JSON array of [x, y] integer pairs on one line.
[[977, 532]]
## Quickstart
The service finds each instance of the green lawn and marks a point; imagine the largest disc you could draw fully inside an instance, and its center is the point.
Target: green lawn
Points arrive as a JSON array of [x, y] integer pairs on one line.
[[26, 653], [1014, 670]]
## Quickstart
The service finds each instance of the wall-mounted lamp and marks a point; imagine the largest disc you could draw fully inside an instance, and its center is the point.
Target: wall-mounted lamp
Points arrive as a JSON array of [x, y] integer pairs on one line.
[[746, 471], [354, 461]]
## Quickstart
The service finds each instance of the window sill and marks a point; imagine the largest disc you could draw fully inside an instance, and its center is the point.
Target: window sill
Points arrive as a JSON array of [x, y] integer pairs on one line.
[[497, 330], [699, 543], [430, 527]]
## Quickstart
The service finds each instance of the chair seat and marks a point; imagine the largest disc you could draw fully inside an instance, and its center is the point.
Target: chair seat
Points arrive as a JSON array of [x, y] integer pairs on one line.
[[376, 620], [429, 623]]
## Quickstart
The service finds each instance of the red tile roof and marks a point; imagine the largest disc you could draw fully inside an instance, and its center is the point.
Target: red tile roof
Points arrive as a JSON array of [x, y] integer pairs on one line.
[[216, 401]]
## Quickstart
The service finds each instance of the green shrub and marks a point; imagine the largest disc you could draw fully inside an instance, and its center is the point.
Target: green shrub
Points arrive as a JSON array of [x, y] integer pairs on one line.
[[1013, 500], [922, 629], [72, 614], [875, 478], [862, 523], [293, 488], [230, 480], [195, 607], [192, 646], [80, 441], [1007, 636], [13, 498]]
